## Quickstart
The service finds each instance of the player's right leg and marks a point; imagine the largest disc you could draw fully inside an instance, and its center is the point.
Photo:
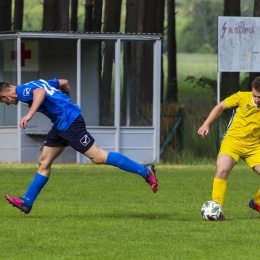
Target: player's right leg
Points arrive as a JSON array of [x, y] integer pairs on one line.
[[25, 203], [100, 156]]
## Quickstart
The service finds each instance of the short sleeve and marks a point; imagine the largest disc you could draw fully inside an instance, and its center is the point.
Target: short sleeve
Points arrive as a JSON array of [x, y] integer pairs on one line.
[[54, 83], [233, 100]]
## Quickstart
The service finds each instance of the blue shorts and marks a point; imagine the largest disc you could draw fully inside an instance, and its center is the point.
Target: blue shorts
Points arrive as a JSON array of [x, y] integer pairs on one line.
[[75, 136]]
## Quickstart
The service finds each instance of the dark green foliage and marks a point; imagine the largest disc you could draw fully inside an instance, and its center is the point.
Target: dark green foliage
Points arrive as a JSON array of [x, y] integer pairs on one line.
[[202, 82], [197, 24]]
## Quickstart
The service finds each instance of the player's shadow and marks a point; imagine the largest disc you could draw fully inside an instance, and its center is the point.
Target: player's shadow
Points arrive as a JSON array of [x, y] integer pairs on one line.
[[129, 215]]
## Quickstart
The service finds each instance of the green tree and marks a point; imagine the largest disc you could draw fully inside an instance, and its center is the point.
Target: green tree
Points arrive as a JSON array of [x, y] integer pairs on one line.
[[89, 6], [55, 15], [111, 24], [74, 15], [62, 19], [5, 15], [230, 80], [49, 22], [18, 15], [198, 32], [172, 87]]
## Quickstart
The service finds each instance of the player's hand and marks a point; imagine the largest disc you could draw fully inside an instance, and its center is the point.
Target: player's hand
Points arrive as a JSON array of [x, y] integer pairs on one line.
[[203, 131], [24, 121]]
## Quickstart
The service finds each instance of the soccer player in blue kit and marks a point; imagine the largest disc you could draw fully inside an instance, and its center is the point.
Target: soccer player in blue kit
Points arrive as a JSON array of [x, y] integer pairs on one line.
[[52, 98]]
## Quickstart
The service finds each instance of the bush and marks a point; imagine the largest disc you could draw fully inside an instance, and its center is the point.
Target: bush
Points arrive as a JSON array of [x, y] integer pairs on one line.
[[206, 49]]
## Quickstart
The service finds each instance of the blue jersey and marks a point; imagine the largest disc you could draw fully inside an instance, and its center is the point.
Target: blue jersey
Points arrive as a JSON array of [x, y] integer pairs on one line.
[[56, 105]]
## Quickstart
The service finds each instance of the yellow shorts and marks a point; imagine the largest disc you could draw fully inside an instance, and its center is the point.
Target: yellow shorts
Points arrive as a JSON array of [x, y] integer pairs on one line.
[[250, 154]]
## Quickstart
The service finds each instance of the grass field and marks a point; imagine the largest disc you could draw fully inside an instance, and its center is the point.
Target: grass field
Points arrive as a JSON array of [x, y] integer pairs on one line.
[[100, 212]]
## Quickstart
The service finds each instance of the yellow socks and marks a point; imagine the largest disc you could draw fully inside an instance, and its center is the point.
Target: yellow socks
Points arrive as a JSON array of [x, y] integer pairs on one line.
[[219, 191], [257, 197]]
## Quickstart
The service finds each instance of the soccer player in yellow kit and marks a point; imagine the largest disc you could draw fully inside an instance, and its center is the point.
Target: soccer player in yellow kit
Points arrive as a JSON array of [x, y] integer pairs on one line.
[[240, 140]]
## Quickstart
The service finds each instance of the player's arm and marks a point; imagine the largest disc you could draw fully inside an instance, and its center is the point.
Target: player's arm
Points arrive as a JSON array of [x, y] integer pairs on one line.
[[214, 114], [38, 97], [64, 86]]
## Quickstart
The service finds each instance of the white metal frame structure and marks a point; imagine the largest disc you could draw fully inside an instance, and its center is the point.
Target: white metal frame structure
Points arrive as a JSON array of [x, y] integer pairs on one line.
[[118, 38]]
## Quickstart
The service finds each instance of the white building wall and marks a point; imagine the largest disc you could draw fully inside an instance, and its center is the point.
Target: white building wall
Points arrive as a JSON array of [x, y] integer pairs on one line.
[[8, 147]]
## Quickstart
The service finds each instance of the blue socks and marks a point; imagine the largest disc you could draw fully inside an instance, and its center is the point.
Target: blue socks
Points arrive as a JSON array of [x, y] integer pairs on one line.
[[121, 161], [34, 189], [113, 158]]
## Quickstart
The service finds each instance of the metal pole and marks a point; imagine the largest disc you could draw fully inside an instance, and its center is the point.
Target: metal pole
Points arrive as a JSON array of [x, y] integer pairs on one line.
[[79, 156], [156, 98], [19, 108], [117, 94], [218, 119]]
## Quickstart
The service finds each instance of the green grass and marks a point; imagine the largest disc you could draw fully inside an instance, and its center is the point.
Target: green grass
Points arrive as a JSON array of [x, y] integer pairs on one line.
[[100, 212]]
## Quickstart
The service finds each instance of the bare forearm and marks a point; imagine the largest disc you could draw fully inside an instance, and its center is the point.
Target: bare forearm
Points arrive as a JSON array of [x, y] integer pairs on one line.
[[214, 114], [38, 97]]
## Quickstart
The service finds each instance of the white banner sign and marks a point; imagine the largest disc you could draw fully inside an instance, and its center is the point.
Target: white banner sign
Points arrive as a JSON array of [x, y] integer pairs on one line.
[[238, 44]]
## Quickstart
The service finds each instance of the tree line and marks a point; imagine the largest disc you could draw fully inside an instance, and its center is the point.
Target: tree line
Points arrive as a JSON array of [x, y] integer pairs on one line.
[[142, 16]]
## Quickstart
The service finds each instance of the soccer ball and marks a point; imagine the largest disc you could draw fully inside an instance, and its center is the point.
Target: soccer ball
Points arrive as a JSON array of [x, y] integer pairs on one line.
[[211, 210]]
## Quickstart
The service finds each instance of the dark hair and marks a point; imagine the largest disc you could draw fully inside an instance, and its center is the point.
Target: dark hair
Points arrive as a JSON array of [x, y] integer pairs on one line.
[[256, 84], [4, 87]]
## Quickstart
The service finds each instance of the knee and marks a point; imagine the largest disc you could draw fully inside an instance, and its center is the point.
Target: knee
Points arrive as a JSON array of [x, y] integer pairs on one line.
[[98, 160], [43, 163], [222, 174]]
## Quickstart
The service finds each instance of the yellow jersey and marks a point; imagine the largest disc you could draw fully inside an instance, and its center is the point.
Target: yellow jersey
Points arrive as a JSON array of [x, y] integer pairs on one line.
[[244, 125]]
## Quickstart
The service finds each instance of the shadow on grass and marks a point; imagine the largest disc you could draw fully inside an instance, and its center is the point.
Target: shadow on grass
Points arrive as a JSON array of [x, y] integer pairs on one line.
[[71, 215], [144, 216]]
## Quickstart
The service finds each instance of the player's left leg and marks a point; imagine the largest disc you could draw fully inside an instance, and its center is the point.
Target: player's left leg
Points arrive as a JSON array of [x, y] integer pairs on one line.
[[25, 203], [100, 156]]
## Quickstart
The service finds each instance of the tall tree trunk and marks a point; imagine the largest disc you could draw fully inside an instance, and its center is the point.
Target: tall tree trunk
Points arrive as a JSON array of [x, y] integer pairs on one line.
[[252, 75], [96, 27], [141, 62], [172, 86], [18, 15], [63, 15], [230, 80], [129, 99], [97, 16], [153, 24], [5, 15], [141, 17], [74, 16], [160, 29], [88, 15], [49, 15], [111, 24], [146, 73]]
